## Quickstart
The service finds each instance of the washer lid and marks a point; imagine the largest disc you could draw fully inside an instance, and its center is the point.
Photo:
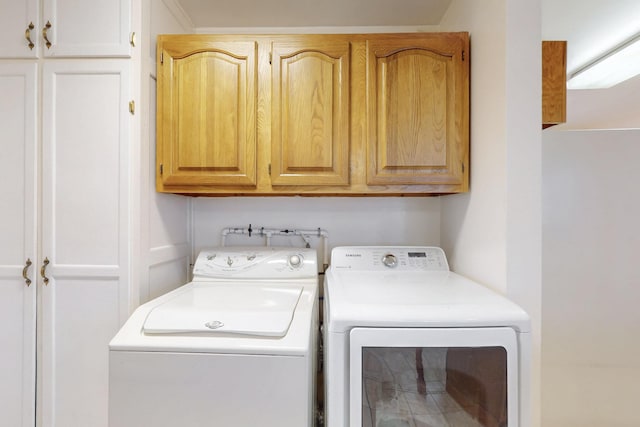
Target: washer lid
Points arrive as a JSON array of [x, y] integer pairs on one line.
[[252, 309]]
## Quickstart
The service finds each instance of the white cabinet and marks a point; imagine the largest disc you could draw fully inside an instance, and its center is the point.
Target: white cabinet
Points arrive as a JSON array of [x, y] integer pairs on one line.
[[66, 206], [65, 28], [18, 219], [84, 237], [85, 234], [15, 19]]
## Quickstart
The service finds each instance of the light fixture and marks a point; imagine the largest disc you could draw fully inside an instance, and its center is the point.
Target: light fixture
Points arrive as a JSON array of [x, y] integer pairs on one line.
[[615, 66]]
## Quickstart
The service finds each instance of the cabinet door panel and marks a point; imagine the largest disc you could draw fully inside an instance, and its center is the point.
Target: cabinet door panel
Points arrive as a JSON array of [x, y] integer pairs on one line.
[[87, 28], [207, 117], [80, 317], [85, 234], [310, 112], [82, 169], [14, 21], [416, 99], [412, 109], [18, 164]]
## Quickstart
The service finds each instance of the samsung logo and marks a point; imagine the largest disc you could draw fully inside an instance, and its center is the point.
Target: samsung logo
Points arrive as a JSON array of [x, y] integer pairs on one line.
[[354, 255]]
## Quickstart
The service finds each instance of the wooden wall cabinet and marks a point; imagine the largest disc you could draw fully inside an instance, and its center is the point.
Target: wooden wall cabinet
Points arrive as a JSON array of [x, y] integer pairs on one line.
[[340, 114]]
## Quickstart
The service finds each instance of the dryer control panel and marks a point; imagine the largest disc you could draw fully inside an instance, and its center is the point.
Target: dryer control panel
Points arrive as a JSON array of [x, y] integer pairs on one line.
[[385, 258]]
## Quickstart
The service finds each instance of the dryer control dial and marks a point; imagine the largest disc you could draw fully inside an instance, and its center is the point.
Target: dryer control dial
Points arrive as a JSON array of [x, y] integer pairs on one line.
[[390, 260], [295, 260]]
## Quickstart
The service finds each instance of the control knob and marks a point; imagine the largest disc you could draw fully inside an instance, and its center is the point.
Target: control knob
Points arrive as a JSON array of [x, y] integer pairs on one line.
[[295, 261], [390, 260]]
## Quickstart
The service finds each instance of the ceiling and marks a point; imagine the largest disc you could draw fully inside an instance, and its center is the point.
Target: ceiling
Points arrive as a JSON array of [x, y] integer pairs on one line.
[[591, 28], [314, 13]]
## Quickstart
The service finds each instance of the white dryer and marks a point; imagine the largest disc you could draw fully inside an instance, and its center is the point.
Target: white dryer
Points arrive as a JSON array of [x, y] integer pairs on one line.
[[234, 347], [409, 343]]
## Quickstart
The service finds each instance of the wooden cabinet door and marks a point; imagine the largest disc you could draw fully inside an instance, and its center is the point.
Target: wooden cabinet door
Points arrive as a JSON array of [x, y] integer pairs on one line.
[[86, 234], [206, 114], [18, 219], [310, 111], [417, 110]]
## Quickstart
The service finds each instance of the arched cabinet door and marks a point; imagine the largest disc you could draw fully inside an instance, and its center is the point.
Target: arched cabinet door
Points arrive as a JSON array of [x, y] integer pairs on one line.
[[206, 117], [310, 111], [417, 104]]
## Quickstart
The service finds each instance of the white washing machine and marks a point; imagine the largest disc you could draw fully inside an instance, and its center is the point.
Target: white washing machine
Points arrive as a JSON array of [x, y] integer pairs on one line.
[[409, 343], [234, 347]]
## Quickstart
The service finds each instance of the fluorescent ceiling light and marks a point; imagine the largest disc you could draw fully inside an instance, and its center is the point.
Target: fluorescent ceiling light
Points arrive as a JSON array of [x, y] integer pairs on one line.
[[616, 66]]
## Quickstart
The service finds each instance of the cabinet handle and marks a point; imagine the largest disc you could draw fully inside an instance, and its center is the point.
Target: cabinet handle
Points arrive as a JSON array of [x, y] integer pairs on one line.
[[24, 272], [43, 271], [27, 35], [44, 34]]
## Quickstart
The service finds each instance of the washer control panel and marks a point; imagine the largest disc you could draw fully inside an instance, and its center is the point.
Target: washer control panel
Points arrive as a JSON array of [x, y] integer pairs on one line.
[[381, 258], [255, 263]]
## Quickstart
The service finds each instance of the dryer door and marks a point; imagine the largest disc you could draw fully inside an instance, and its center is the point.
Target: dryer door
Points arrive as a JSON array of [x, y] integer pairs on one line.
[[433, 376]]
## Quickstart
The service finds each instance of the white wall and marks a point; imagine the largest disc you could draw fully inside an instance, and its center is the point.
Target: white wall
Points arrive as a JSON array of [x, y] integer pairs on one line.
[[505, 154], [165, 218], [590, 367], [505, 133], [473, 224], [493, 233], [591, 279], [167, 17], [613, 108], [348, 220]]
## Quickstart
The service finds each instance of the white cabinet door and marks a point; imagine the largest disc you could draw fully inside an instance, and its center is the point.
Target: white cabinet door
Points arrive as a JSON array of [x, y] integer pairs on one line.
[[18, 243], [15, 18], [86, 28], [65, 28], [85, 234]]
